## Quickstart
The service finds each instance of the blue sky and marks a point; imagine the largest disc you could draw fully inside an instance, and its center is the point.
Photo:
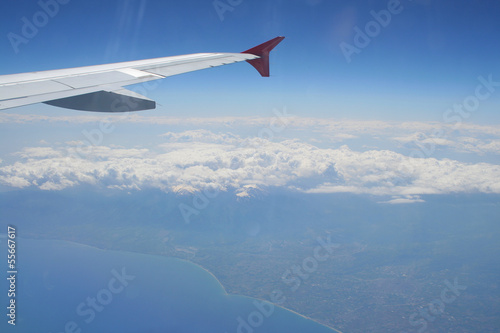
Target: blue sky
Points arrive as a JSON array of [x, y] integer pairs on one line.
[[426, 59], [414, 111]]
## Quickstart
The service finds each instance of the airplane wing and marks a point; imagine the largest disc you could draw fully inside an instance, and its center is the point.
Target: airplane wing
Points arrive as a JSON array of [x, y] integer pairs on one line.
[[100, 88]]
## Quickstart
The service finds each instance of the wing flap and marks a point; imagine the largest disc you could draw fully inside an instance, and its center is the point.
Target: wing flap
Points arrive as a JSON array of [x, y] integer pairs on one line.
[[19, 90], [90, 80], [32, 99]]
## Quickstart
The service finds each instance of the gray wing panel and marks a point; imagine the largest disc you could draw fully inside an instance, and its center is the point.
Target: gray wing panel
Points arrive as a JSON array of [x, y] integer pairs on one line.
[[105, 101]]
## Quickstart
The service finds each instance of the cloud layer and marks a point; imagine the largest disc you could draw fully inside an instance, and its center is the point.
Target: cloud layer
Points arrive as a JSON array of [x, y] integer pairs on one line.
[[426, 136], [203, 159]]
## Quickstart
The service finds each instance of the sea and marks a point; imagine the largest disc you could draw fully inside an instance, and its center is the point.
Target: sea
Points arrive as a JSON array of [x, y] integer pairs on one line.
[[65, 287]]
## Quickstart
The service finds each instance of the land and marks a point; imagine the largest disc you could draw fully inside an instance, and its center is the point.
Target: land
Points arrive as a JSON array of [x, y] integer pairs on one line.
[[373, 280]]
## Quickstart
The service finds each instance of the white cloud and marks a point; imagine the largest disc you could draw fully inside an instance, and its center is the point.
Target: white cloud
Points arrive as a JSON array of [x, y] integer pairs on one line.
[[202, 135], [75, 143], [191, 161], [39, 152], [462, 144], [431, 136], [397, 200], [345, 126]]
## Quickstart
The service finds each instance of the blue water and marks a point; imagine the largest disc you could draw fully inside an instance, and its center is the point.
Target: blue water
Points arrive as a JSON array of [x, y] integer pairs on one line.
[[73, 288]]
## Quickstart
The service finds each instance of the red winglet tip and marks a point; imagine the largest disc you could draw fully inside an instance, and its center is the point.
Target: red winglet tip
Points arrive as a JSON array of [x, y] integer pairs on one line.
[[262, 64]]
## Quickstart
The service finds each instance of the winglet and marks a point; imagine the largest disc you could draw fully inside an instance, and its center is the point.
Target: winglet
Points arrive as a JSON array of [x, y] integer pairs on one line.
[[262, 64]]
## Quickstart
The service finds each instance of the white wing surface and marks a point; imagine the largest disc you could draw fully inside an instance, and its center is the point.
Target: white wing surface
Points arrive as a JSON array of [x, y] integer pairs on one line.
[[100, 88]]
